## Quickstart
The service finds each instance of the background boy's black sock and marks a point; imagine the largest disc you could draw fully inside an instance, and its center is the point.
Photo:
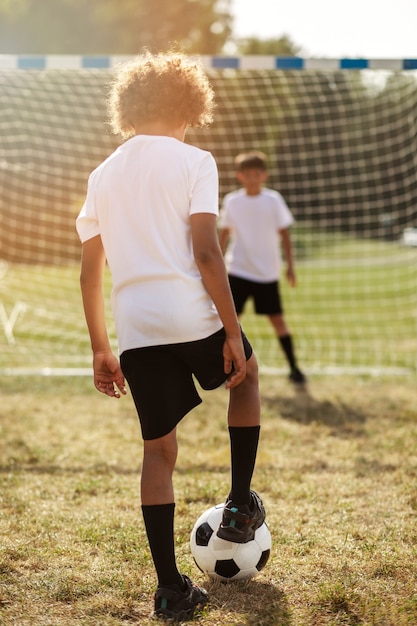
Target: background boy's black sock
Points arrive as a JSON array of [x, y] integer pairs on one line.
[[287, 346], [159, 524], [243, 449]]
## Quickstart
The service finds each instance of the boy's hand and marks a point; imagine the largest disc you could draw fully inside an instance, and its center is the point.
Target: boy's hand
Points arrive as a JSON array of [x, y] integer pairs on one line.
[[234, 357], [108, 376], [291, 276]]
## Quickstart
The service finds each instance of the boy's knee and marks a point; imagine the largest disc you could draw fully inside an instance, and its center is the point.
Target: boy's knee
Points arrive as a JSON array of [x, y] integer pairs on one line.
[[250, 384], [164, 449], [252, 371]]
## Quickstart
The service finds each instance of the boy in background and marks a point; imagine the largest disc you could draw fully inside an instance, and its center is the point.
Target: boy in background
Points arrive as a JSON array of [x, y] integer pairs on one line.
[[151, 213], [254, 221]]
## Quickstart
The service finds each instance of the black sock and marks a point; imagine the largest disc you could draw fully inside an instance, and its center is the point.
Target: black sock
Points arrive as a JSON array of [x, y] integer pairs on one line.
[[159, 524], [288, 348], [243, 449]]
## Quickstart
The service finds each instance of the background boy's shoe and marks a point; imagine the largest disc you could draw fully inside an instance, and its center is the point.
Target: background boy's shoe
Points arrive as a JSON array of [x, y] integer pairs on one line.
[[296, 376], [171, 603], [240, 522]]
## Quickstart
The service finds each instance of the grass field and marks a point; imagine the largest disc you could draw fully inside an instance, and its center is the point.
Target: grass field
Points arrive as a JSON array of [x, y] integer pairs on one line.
[[355, 308], [337, 469]]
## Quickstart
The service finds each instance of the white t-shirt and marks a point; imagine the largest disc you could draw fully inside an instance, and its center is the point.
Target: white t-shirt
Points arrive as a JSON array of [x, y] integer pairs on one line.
[[139, 201], [254, 222]]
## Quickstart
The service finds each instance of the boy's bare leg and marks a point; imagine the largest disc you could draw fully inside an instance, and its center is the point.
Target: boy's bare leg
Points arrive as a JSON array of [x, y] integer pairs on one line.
[[285, 340], [244, 426], [158, 505], [244, 420], [244, 404], [159, 458], [279, 324]]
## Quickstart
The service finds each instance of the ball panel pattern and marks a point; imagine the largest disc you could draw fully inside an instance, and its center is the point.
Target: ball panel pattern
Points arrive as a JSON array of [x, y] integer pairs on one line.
[[226, 560]]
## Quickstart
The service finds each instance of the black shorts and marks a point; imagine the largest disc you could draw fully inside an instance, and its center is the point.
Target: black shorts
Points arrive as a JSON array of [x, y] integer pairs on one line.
[[266, 296], [161, 379]]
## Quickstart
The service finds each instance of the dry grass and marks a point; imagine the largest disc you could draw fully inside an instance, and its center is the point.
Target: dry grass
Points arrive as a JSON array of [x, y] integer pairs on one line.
[[337, 469]]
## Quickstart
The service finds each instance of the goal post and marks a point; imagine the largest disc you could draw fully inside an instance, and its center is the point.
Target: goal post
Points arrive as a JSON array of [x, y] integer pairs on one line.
[[341, 142]]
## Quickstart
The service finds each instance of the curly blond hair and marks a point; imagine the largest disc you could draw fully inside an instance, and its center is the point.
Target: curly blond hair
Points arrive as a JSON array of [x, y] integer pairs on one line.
[[162, 87]]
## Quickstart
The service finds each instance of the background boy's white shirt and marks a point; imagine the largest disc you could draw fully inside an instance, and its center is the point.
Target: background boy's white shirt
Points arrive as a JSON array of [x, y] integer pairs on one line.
[[139, 201], [254, 251]]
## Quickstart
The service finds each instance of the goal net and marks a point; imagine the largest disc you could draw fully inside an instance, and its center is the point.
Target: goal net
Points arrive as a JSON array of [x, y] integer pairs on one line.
[[342, 149]]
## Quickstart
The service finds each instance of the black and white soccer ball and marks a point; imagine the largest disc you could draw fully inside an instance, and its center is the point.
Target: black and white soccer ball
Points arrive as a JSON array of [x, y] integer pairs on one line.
[[227, 560]]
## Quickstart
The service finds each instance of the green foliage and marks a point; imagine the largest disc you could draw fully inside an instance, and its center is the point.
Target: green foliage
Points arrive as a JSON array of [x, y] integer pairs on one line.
[[195, 25], [103, 26], [279, 46]]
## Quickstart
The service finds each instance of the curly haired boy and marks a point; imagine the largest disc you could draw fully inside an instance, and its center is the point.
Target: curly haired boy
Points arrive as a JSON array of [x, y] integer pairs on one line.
[[150, 212]]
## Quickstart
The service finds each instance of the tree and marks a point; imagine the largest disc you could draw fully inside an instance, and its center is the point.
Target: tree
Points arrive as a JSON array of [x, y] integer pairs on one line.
[[109, 27], [196, 25], [282, 46]]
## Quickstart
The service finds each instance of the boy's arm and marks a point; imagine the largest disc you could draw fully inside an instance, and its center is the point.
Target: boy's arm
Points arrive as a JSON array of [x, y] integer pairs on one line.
[[107, 371], [209, 259], [224, 236], [287, 247]]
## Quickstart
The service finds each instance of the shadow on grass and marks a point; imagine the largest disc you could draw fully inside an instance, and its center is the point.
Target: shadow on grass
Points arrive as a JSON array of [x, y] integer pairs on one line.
[[256, 603], [34, 467], [342, 418]]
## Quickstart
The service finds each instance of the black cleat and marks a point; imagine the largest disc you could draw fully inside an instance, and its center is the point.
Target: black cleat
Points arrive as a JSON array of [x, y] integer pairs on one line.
[[179, 606], [240, 522], [297, 377]]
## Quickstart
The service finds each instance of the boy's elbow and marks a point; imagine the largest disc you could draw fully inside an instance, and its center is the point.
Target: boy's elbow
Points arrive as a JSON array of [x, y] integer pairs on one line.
[[87, 281], [203, 258], [207, 256]]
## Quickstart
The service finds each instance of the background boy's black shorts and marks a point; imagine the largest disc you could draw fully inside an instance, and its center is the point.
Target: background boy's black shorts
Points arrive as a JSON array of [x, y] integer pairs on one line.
[[161, 379], [266, 296]]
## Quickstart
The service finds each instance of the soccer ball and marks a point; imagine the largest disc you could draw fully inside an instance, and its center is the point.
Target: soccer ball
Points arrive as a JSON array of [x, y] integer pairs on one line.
[[226, 560]]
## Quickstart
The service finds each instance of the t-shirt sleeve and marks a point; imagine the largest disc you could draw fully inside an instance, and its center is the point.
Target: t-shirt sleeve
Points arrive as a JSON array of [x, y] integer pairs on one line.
[[284, 216], [205, 191], [87, 222]]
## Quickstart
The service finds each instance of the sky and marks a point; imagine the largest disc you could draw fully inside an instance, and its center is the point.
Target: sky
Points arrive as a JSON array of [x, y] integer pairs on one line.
[[384, 29]]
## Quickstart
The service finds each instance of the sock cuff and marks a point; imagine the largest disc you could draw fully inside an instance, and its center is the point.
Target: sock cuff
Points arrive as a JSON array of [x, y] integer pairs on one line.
[[158, 507], [237, 429]]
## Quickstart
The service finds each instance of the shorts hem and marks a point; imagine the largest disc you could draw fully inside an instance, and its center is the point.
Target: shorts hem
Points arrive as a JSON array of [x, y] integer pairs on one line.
[[174, 424]]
